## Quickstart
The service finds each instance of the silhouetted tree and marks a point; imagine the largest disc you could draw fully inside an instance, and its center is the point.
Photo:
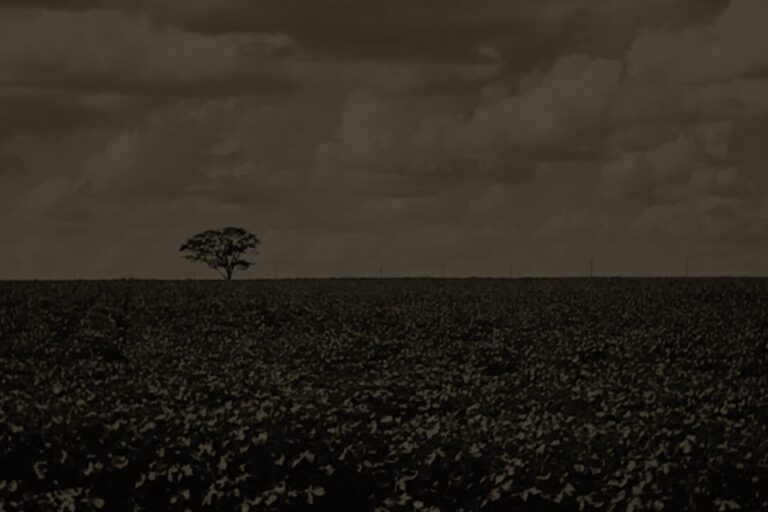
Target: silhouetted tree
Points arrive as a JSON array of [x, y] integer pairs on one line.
[[224, 250]]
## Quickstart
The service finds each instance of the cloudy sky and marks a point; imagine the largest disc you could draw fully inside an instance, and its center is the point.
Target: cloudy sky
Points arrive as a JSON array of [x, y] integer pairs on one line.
[[492, 137]]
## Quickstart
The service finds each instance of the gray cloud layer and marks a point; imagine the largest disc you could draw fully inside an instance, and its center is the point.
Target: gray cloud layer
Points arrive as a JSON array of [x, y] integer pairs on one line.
[[355, 134]]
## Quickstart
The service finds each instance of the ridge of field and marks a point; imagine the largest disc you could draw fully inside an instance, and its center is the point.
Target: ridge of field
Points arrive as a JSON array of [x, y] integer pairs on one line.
[[412, 394]]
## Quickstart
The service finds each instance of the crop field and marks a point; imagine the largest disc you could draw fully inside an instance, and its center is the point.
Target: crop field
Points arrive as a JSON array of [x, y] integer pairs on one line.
[[412, 394]]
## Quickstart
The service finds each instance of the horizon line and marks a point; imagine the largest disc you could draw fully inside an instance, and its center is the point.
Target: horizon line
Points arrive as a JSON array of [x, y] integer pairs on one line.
[[378, 278]]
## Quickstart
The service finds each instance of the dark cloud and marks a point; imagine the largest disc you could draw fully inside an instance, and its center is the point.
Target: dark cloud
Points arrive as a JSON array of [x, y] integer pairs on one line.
[[107, 51], [528, 32], [352, 131]]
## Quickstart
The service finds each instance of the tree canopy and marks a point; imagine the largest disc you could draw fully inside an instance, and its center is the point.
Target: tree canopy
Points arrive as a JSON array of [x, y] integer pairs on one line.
[[224, 250]]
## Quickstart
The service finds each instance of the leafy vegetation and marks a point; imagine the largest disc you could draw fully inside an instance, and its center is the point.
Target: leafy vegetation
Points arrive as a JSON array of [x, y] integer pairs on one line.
[[224, 250], [390, 395]]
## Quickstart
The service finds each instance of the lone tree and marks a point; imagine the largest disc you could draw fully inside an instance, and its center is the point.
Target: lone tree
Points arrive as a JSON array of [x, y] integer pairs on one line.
[[224, 250]]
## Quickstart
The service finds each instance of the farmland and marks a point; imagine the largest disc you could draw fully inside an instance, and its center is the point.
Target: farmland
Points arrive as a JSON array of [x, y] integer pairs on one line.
[[603, 394]]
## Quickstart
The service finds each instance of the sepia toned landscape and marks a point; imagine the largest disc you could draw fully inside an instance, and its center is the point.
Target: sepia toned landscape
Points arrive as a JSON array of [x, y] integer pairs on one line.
[[384, 255]]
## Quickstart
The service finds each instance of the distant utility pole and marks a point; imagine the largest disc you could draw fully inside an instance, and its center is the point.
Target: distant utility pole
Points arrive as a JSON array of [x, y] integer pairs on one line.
[[381, 272]]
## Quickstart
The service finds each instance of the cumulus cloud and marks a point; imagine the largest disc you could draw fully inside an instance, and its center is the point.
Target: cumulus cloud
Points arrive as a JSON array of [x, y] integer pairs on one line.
[[732, 46], [49, 194], [737, 98], [115, 163], [389, 136], [673, 151], [692, 163], [368, 142], [711, 70], [371, 129], [491, 200], [550, 109], [198, 148]]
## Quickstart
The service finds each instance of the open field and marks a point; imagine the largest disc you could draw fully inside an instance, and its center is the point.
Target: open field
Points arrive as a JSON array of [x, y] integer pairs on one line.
[[399, 394]]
